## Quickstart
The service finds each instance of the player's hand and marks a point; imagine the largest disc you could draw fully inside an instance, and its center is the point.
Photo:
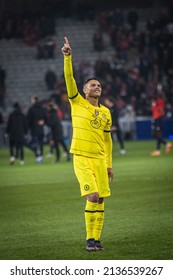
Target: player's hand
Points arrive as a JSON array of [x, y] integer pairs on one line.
[[110, 174], [66, 49]]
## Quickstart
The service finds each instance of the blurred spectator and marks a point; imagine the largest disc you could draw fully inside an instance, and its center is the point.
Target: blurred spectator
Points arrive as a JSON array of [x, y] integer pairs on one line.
[[128, 120], [7, 25], [49, 47], [56, 136], [56, 98], [50, 79], [98, 40], [145, 65], [115, 129], [46, 48], [102, 68], [118, 18], [31, 32], [1, 118], [86, 70], [169, 111], [132, 19], [47, 26], [158, 113], [65, 107], [170, 27], [123, 45], [16, 130], [2, 87], [36, 121]]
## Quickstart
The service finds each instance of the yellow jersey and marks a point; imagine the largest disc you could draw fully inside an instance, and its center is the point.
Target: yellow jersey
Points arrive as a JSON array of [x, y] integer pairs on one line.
[[91, 124]]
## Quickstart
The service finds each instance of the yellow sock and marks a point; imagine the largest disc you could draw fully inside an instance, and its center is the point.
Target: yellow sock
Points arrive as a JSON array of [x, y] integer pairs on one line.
[[90, 216], [99, 221]]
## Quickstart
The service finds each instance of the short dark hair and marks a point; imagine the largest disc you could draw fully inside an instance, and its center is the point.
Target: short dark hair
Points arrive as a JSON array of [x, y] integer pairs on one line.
[[89, 79]]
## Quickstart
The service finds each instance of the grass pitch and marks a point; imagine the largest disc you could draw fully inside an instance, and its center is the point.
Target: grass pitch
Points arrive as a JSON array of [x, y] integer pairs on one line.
[[42, 213]]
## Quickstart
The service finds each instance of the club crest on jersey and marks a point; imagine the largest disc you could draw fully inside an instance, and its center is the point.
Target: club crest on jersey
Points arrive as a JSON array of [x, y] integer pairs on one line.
[[96, 113]]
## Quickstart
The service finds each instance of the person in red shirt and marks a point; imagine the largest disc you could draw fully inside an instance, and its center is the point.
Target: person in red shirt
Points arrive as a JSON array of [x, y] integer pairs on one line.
[[158, 112]]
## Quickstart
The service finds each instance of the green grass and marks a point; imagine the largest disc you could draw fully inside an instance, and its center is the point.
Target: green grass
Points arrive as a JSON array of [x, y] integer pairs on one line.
[[42, 213]]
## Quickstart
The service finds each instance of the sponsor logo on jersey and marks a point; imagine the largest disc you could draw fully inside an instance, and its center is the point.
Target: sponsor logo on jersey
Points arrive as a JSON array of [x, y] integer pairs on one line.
[[96, 123]]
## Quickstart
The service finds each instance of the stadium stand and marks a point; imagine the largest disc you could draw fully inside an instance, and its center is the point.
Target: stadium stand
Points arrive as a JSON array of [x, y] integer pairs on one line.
[[25, 73]]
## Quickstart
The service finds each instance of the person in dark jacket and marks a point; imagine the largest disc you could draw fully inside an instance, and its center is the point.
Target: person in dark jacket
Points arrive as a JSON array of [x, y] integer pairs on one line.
[[16, 130], [56, 131], [36, 120], [109, 102]]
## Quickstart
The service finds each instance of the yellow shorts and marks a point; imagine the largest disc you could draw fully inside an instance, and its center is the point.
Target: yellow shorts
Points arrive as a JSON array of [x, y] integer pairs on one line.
[[92, 175]]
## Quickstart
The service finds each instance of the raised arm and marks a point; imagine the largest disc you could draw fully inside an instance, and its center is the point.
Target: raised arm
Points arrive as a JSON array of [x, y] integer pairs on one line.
[[68, 70]]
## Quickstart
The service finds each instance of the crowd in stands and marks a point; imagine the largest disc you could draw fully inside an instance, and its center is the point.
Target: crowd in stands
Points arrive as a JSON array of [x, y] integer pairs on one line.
[[141, 65], [143, 60], [30, 27]]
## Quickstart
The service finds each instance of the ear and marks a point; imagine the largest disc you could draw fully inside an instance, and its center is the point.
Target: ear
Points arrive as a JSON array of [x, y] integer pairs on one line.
[[84, 89]]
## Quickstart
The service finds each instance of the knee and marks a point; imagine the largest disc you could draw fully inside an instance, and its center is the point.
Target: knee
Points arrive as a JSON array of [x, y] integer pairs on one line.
[[93, 197]]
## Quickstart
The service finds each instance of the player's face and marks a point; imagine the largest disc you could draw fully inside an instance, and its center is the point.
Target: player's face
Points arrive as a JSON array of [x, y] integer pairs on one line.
[[92, 89]]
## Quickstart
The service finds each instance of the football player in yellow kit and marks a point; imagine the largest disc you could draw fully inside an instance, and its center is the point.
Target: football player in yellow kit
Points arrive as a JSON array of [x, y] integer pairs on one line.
[[91, 147]]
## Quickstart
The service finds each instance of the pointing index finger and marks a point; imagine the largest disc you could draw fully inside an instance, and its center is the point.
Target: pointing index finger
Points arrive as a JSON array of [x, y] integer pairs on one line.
[[66, 42]]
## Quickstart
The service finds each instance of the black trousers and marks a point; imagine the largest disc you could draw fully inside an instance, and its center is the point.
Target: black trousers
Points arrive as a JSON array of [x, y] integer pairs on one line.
[[57, 142], [36, 144], [16, 148]]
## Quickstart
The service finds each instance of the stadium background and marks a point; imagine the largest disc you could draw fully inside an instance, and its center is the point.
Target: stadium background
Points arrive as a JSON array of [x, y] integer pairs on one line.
[[41, 211], [25, 73]]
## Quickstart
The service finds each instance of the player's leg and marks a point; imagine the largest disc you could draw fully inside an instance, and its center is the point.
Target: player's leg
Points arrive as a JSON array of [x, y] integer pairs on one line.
[[83, 168], [90, 220], [99, 224], [104, 191]]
